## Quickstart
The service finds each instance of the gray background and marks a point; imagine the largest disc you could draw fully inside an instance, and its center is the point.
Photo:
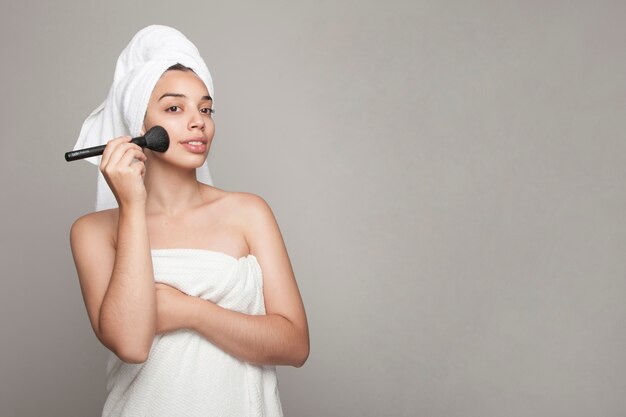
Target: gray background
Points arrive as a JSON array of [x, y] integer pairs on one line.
[[448, 177]]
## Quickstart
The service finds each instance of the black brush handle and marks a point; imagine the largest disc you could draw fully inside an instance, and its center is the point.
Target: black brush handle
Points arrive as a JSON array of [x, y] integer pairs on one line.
[[155, 139]]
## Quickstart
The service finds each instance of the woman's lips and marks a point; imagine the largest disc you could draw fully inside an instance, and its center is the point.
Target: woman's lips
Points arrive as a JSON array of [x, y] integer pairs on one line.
[[200, 148]]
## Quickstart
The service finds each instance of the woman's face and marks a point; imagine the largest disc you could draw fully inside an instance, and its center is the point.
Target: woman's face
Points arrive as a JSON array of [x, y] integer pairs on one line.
[[181, 104]]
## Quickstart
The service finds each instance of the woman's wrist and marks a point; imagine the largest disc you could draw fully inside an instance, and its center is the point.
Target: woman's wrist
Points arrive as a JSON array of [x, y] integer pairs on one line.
[[192, 313], [133, 208]]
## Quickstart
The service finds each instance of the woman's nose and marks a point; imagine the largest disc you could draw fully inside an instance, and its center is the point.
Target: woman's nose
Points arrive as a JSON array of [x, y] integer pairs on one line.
[[197, 120]]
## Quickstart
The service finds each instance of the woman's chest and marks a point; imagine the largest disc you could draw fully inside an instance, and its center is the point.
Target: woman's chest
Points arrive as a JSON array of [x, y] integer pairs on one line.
[[221, 233]]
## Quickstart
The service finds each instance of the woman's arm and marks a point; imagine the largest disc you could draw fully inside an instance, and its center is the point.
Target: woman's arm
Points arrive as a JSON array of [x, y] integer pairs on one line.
[[117, 283], [260, 339], [128, 311], [281, 336], [116, 279]]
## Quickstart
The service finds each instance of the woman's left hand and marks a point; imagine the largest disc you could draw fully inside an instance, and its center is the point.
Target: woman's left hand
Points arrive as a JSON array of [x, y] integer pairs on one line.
[[172, 308]]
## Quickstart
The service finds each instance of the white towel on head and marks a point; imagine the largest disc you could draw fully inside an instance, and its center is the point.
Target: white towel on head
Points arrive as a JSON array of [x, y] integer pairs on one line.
[[140, 65]]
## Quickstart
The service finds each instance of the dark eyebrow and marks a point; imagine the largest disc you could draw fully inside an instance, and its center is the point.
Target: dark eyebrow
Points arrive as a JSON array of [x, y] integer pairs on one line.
[[182, 95]]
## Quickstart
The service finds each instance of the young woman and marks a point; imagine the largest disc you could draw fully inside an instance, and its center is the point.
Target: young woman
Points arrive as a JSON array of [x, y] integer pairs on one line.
[[189, 286]]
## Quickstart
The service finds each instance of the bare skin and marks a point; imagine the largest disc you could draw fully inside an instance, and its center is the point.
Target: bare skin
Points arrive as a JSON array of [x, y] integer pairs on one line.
[[162, 205]]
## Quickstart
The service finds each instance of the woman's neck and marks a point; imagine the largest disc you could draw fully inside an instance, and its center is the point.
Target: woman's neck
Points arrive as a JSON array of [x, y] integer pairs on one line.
[[171, 191]]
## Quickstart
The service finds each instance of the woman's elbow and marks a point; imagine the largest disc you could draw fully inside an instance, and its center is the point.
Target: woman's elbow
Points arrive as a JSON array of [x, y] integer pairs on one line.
[[300, 361], [128, 353], [130, 356], [303, 354], [127, 350]]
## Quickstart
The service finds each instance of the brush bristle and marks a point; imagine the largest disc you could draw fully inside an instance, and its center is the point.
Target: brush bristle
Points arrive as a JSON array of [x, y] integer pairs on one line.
[[157, 139]]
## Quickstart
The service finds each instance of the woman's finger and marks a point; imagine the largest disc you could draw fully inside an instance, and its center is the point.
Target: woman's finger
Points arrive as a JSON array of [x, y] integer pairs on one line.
[[119, 152], [129, 155], [138, 168], [110, 147]]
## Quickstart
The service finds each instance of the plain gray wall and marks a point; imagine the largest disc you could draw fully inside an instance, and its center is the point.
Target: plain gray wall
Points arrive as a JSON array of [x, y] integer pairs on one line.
[[448, 177]]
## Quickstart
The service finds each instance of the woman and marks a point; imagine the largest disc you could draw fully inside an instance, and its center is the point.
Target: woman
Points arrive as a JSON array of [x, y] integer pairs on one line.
[[189, 286]]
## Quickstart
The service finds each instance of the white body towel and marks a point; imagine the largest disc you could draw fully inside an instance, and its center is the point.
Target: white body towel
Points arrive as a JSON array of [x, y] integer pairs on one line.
[[185, 374]]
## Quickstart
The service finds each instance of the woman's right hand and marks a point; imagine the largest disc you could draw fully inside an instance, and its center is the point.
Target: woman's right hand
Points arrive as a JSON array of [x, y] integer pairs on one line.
[[125, 177]]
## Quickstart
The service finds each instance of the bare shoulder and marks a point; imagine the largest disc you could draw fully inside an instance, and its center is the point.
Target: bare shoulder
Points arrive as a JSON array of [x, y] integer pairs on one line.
[[258, 224], [249, 201], [238, 216], [250, 208], [240, 204], [103, 223], [250, 212]]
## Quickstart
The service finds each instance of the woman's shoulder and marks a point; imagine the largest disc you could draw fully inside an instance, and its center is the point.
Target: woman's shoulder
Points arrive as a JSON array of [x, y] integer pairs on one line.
[[103, 221], [235, 199], [242, 207], [102, 224], [100, 217]]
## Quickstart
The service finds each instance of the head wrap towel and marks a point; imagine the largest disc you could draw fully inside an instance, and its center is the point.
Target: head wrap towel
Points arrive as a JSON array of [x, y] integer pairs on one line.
[[140, 65]]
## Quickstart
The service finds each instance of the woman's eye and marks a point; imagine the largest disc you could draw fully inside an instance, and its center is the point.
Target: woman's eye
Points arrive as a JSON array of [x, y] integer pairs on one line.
[[172, 107], [208, 110]]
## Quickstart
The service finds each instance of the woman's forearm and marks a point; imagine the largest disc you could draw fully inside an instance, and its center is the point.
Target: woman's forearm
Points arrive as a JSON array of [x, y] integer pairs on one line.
[[260, 339], [128, 310]]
